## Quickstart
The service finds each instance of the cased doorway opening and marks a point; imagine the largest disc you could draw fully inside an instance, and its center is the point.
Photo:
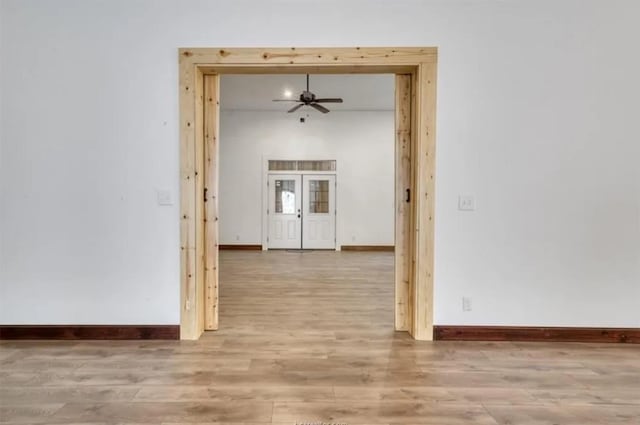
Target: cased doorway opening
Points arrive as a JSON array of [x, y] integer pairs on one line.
[[414, 117]]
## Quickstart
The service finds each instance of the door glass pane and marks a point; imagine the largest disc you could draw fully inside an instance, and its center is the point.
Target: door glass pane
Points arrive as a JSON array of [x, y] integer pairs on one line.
[[319, 196], [285, 196]]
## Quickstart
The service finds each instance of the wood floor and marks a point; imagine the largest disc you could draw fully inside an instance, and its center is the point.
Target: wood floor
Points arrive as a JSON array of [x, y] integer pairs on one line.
[[307, 338]]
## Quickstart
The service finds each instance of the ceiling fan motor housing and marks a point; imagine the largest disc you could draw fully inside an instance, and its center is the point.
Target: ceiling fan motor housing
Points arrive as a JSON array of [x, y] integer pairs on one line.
[[307, 97]]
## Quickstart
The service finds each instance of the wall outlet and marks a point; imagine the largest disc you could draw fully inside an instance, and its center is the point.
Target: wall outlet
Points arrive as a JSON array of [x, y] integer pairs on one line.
[[466, 304], [466, 203], [237, 237], [353, 238], [164, 197]]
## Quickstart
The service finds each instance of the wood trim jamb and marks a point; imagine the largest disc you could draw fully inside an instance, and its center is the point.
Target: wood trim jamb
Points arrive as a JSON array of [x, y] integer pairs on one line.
[[423, 170], [109, 332], [199, 217], [188, 92], [403, 192], [211, 172], [307, 69], [537, 334]]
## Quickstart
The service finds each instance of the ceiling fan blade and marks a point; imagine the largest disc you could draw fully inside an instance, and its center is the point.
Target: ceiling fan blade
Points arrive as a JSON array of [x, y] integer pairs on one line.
[[285, 100], [319, 107], [329, 100], [295, 108]]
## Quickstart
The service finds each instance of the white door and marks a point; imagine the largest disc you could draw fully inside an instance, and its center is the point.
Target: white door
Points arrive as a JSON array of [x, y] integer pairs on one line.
[[319, 212], [284, 218]]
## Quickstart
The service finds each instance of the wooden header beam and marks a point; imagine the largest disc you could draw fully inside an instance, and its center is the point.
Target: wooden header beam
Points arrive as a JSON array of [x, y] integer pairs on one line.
[[366, 56]]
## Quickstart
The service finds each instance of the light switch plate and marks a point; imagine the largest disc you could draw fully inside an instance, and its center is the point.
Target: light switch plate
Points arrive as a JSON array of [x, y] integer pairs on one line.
[[466, 203], [164, 197]]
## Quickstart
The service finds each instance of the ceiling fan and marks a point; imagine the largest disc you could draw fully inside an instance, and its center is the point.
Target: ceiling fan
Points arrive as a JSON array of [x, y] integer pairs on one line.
[[310, 99]]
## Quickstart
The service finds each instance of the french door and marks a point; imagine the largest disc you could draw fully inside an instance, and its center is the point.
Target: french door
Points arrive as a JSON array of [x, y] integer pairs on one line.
[[285, 211], [318, 212], [301, 212]]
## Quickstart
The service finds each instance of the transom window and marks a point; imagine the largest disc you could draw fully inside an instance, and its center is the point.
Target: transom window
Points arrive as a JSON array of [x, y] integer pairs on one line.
[[295, 165]]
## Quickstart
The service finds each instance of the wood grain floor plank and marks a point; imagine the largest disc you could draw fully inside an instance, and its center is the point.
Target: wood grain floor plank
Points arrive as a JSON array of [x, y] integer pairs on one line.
[[607, 395], [396, 412], [14, 395], [536, 415], [33, 413], [157, 412], [236, 393]]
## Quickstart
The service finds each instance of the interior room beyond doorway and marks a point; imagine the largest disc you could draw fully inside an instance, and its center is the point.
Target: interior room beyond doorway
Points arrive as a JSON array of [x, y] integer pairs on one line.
[[343, 193], [301, 183]]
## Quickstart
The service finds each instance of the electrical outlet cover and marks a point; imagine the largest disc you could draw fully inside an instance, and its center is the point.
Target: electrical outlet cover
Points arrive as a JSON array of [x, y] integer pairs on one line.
[[466, 304]]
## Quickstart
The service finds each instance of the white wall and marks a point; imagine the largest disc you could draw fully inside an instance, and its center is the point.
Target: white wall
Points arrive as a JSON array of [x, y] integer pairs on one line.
[[537, 117], [362, 143]]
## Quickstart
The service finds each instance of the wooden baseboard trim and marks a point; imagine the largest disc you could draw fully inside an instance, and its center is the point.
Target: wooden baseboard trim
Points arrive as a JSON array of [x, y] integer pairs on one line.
[[385, 248], [90, 332], [532, 333], [241, 247]]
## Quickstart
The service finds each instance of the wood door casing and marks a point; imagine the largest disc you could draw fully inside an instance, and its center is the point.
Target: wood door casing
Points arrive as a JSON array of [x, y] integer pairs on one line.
[[419, 62], [403, 201], [210, 195]]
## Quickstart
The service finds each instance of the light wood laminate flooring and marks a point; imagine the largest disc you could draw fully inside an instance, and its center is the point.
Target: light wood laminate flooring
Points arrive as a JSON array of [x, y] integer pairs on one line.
[[308, 338]]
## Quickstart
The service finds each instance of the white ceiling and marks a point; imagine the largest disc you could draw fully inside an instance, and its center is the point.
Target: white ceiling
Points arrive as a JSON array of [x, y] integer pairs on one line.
[[367, 92]]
